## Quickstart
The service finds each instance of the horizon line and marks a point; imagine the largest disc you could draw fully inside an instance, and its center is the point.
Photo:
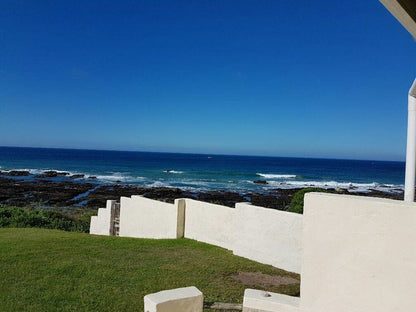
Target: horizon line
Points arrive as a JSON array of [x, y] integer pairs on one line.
[[190, 153]]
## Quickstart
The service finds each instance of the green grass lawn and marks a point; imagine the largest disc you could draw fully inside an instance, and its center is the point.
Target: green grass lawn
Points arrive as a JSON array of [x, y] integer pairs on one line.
[[50, 270]]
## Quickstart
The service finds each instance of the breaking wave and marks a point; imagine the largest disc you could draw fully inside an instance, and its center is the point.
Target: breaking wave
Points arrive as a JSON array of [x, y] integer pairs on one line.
[[157, 184], [277, 176], [220, 181], [352, 187], [113, 178]]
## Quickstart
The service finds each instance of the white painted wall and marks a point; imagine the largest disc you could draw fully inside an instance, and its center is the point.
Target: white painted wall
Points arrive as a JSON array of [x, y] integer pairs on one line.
[[268, 236], [359, 254], [147, 218], [102, 223], [210, 223], [265, 235]]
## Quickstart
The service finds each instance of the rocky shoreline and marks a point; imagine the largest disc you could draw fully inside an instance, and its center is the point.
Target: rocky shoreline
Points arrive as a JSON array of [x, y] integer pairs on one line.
[[45, 192]]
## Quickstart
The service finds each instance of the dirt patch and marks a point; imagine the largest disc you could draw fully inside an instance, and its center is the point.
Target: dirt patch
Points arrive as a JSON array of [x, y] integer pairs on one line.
[[260, 279]]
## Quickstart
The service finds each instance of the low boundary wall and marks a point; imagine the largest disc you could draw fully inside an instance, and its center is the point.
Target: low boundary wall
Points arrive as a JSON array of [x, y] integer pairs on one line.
[[358, 254], [147, 218], [102, 223], [268, 236], [210, 223], [265, 235]]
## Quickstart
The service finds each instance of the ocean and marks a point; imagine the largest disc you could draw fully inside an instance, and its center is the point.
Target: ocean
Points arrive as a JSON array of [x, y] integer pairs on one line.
[[199, 172]]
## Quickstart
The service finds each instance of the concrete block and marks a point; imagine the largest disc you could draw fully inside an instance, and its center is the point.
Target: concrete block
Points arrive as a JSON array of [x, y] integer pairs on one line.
[[261, 301], [187, 299]]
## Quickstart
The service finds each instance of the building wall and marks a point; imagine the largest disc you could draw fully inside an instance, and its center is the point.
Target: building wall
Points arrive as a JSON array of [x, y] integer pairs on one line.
[[359, 254], [269, 236]]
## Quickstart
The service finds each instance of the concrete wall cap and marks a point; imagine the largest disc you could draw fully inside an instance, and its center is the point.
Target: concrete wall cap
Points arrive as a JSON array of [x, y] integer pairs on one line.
[[174, 294], [360, 198], [260, 300]]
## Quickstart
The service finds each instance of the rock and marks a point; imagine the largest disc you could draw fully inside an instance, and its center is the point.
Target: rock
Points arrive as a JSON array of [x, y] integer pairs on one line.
[[92, 178], [15, 173], [260, 182], [51, 174], [77, 176], [225, 198], [61, 194], [40, 192]]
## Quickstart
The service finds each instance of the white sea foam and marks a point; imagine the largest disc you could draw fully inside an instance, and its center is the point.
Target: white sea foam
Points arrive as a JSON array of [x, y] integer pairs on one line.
[[110, 178], [115, 177], [173, 171], [194, 183], [158, 184], [352, 187], [40, 171], [283, 181], [33, 171], [276, 176]]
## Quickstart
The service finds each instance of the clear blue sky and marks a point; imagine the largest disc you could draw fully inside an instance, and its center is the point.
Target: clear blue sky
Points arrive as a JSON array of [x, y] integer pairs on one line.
[[286, 78]]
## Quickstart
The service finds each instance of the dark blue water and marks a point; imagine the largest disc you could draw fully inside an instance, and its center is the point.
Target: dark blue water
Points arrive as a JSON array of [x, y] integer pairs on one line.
[[208, 172]]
